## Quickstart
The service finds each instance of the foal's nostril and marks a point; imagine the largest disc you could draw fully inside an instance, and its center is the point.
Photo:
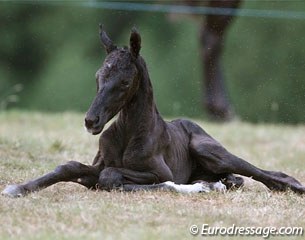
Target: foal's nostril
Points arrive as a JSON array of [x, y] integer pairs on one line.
[[91, 122], [97, 119], [88, 123]]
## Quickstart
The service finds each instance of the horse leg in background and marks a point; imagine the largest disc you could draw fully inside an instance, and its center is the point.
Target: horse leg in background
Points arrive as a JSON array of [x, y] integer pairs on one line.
[[216, 159], [212, 41], [70, 172]]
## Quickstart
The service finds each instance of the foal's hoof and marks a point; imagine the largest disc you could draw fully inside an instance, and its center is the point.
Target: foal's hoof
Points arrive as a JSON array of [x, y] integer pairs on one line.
[[299, 189], [14, 191], [219, 187]]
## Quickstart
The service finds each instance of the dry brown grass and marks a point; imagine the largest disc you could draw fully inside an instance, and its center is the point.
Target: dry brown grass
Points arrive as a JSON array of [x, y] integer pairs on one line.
[[32, 144]]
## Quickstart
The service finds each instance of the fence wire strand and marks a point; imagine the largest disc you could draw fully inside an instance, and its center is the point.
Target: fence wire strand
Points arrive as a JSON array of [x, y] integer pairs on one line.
[[171, 8]]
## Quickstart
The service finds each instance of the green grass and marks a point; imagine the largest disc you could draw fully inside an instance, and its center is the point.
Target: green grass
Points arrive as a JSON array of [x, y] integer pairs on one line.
[[32, 144]]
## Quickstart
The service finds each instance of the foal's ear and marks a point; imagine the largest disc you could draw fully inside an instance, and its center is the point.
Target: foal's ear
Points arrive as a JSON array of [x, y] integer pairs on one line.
[[135, 42], [106, 41]]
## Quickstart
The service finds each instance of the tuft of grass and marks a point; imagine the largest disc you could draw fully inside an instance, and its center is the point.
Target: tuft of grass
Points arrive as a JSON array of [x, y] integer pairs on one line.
[[32, 144], [57, 146]]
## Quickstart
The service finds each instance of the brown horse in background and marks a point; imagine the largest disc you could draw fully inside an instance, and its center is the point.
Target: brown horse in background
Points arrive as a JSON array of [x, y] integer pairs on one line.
[[212, 38]]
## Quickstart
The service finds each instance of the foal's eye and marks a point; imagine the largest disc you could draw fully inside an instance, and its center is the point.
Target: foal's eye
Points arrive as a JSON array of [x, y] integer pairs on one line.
[[125, 83]]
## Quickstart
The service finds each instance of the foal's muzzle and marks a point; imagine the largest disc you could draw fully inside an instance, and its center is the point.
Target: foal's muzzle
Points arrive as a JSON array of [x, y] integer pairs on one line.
[[94, 124]]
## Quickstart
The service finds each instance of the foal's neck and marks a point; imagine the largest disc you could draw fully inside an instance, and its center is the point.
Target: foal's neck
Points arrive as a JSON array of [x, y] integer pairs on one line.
[[140, 115]]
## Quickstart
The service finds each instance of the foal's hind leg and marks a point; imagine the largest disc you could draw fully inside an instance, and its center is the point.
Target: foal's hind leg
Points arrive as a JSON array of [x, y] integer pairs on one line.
[[229, 180], [216, 159], [72, 171]]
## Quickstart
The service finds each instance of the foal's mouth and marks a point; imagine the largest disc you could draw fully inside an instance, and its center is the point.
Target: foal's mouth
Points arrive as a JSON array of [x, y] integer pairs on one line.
[[97, 125], [95, 131], [96, 128]]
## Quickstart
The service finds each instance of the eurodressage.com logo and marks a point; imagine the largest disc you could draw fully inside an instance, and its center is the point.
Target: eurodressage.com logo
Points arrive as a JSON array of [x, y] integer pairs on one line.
[[265, 232]]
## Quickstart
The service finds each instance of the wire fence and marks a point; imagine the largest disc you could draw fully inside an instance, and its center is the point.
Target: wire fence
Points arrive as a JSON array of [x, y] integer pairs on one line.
[[171, 8]]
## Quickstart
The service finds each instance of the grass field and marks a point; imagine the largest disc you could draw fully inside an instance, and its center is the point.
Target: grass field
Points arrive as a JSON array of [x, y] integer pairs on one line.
[[32, 144]]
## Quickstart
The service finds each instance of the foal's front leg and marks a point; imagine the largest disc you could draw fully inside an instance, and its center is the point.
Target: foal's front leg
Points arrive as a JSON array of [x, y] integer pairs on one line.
[[115, 178], [130, 180], [72, 171], [157, 172]]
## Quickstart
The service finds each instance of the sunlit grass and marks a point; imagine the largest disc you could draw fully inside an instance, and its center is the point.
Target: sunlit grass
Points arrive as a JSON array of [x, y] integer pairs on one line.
[[32, 144]]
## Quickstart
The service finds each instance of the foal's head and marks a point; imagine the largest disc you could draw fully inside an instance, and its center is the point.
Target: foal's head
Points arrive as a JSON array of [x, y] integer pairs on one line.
[[117, 81]]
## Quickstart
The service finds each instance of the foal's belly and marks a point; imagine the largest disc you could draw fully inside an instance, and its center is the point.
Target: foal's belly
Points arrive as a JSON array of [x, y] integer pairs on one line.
[[178, 157], [181, 167]]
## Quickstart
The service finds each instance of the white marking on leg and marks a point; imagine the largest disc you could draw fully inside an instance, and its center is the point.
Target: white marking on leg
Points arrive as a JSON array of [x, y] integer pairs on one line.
[[188, 188], [219, 186], [13, 191]]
